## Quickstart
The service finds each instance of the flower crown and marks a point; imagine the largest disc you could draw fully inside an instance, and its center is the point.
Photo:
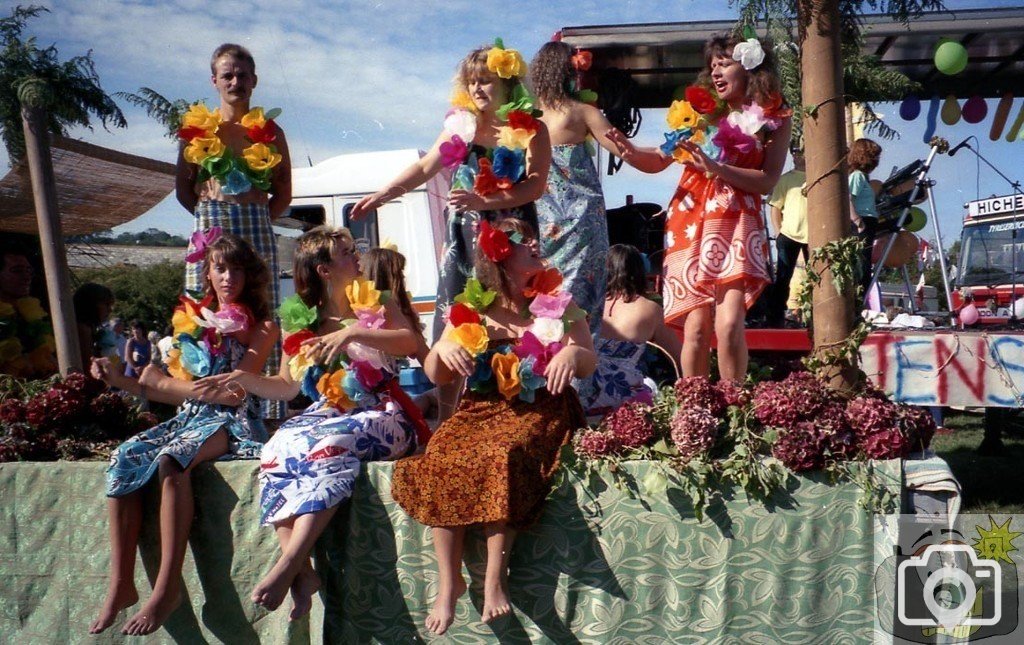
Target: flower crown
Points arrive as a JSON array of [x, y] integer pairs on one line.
[[506, 63], [495, 244]]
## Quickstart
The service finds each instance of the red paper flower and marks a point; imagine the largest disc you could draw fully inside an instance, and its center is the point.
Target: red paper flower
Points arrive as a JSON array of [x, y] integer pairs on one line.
[[546, 282], [494, 244], [522, 120], [486, 181], [701, 99], [774, 108], [190, 132], [265, 134], [581, 60], [292, 344], [460, 314]]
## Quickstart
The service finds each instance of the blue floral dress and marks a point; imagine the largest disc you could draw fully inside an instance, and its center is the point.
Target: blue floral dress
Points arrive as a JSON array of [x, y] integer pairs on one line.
[[313, 459], [135, 461], [573, 228], [617, 379]]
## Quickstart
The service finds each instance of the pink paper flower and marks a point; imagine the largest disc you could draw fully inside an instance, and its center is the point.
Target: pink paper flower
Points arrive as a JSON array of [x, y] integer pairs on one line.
[[368, 375], [199, 241], [731, 139], [229, 319], [371, 319], [550, 306], [359, 352], [453, 152], [530, 347]]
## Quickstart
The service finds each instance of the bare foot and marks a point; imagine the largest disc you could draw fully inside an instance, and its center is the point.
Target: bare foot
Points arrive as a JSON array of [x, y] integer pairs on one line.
[[119, 597], [270, 591], [303, 588], [153, 614], [496, 603], [442, 614]]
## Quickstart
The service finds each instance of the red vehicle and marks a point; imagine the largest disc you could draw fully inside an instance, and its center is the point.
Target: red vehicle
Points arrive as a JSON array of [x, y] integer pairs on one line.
[[991, 266]]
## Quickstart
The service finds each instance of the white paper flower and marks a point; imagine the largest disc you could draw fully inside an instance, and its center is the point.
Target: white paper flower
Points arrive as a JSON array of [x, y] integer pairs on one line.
[[359, 352], [548, 330], [749, 53], [749, 120], [462, 123]]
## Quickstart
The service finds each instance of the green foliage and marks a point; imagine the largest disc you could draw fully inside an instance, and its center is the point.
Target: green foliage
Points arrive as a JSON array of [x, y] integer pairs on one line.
[[69, 90], [148, 237], [148, 293], [158, 107]]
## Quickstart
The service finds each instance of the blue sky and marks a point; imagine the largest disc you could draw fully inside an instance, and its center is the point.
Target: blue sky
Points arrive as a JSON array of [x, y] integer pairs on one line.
[[375, 75]]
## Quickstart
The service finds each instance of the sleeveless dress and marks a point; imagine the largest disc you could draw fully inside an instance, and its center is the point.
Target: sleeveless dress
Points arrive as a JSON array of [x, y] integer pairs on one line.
[[573, 227], [617, 379], [459, 251], [145, 352], [312, 461], [491, 461], [135, 461], [714, 236]]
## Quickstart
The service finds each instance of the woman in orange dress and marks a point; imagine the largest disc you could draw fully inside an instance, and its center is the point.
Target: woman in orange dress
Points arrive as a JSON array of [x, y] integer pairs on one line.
[[731, 135], [519, 340]]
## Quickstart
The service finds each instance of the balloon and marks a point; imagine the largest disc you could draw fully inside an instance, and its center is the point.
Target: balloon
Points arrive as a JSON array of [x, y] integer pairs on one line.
[[969, 315], [1002, 113], [975, 109], [902, 251], [950, 57], [950, 110], [916, 221], [910, 108]]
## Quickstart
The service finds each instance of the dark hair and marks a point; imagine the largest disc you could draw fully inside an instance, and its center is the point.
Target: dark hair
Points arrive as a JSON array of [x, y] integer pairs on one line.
[[86, 301], [762, 81], [231, 49], [627, 278], [864, 156], [492, 274], [138, 324], [552, 74], [386, 268], [315, 247], [237, 252]]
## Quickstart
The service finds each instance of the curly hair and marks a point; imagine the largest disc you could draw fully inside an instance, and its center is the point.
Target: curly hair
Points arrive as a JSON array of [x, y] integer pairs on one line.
[[236, 252], [864, 156], [762, 81], [552, 74], [627, 278], [492, 275], [474, 66], [386, 268], [315, 247]]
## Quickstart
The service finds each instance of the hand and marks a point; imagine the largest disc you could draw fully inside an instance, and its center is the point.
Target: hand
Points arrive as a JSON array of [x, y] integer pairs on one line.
[[561, 370], [622, 142], [699, 160], [102, 370], [209, 387], [366, 205], [463, 200], [325, 349], [858, 224], [455, 357]]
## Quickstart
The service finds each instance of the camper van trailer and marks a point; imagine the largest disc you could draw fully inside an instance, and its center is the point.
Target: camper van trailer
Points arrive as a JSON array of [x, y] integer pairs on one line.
[[325, 194]]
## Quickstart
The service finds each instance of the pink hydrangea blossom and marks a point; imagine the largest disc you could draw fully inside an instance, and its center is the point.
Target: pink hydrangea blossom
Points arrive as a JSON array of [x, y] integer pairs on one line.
[[693, 431]]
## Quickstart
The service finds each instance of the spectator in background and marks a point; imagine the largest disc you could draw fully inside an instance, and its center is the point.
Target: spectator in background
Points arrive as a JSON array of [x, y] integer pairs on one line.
[[120, 340], [165, 344], [138, 350], [789, 219], [93, 304], [157, 357], [27, 347]]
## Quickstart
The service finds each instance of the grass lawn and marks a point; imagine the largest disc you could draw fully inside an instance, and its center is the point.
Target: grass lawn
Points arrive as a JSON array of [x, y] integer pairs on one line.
[[991, 484]]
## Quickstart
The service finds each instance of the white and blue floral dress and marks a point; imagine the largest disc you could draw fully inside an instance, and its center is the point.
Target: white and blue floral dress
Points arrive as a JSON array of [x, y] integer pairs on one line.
[[617, 379], [135, 461]]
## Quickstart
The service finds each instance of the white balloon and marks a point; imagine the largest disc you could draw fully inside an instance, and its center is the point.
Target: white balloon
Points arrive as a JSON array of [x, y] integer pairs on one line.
[[462, 123]]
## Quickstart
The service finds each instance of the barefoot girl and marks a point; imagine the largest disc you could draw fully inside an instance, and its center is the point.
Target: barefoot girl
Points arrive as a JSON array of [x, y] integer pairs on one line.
[[230, 329]]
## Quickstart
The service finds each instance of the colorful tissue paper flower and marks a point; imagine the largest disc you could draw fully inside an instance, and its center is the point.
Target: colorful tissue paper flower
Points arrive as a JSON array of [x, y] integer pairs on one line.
[[203, 147], [731, 139], [521, 101], [298, 364], [509, 164], [775, 109], [461, 123], [195, 356], [186, 314], [229, 319], [362, 294], [174, 366], [295, 315], [453, 152], [529, 346], [354, 390], [263, 134], [471, 337], [371, 318], [293, 342], [550, 305], [486, 183], [191, 132], [475, 296], [30, 309], [681, 115], [582, 60], [506, 63], [522, 120], [260, 156], [672, 140], [482, 379], [461, 99], [200, 240], [701, 99], [218, 167], [199, 116], [463, 179], [548, 330], [330, 386], [749, 53], [529, 380], [506, 373], [312, 376], [749, 120], [514, 138], [546, 281], [368, 375], [493, 243], [460, 314], [359, 352], [254, 118]]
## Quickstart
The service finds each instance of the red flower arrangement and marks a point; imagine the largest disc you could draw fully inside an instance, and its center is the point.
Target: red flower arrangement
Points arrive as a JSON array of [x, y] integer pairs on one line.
[[293, 343], [546, 281], [520, 120], [486, 182], [494, 244], [267, 133], [460, 314], [701, 99]]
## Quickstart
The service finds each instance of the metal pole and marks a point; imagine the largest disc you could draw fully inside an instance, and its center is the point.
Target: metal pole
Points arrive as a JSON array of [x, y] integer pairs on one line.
[[58, 281], [942, 253]]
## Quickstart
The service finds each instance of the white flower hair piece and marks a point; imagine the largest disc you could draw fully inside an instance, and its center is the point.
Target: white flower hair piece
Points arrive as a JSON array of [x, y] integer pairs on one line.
[[749, 53]]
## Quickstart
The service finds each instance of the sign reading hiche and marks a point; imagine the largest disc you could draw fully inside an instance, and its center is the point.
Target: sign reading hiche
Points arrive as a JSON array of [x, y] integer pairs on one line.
[[996, 206]]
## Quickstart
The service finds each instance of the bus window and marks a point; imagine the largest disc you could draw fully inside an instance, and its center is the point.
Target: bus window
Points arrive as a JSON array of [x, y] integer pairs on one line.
[[303, 217], [364, 230]]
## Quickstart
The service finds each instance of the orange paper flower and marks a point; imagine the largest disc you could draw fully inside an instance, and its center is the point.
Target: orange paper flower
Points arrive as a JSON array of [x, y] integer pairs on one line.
[[330, 386], [486, 182], [471, 337], [506, 372], [546, 281]]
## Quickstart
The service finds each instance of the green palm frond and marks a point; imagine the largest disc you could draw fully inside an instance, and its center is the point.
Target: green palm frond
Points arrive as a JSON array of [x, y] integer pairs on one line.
[[158, 107]]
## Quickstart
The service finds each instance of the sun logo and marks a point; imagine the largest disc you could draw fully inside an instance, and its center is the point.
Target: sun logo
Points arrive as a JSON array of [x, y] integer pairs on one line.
[[996, 542]]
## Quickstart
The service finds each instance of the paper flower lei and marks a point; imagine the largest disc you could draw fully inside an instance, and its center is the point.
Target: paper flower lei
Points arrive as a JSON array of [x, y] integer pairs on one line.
[[27, 346], [199, 334], [356, 377], [235, 174], [504, 166], [513, 369]]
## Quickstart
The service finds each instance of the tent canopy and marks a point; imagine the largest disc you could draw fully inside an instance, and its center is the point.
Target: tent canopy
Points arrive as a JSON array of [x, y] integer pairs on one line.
[[97, 188], [662, 57]]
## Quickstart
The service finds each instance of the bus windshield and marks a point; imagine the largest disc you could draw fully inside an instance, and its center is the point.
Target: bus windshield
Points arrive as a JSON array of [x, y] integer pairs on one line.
[[986, 254]]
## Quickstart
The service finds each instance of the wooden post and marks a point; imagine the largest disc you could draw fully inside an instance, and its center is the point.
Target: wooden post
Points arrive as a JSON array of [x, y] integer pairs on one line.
[[828, 197], [58, 281]]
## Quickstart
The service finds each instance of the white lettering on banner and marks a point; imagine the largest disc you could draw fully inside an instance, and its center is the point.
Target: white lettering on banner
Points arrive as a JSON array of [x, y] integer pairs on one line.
[[1006, 226], [947, 368], [996, 205]]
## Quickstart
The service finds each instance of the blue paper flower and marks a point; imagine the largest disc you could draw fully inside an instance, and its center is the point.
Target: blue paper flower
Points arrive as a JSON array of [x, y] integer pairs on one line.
[[235, 183], [509, 164], [673, 138], [354, 389], [308, 386], [529, 382], [482, 380], [195, 357]]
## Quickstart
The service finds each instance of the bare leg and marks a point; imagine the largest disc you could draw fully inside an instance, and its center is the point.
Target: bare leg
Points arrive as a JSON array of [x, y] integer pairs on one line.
[[294, 560], [697, 343], [499, 546], [125, 522], [176, 510], [730, 316], [448, 547]]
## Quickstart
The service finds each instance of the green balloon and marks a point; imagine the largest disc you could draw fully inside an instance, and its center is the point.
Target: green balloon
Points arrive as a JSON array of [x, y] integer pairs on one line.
[[950, 57], [916, 221]]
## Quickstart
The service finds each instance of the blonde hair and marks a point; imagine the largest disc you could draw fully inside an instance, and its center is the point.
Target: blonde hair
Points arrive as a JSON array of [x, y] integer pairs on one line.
[[231, 49], [474, 65], [316, 247]]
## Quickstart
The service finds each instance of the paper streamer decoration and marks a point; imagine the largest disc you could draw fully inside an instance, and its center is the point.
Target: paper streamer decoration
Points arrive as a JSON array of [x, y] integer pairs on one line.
[[950, 57], [910, 108], [929, 126], [975, 110], [1017, 123], [1002, 112], [950, 110]]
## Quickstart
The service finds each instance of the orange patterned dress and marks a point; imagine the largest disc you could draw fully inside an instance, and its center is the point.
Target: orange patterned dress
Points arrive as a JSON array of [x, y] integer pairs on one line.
[[491, 461], [714, 237]]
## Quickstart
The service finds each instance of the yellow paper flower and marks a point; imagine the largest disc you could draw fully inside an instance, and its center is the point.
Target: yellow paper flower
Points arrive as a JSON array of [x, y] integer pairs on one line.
[[506, 372], [472, 337], [330, 386], [10, 349], [43, 360], [362, 295], [30, 309], [298, 365], [682, 156], [6, 310], [461, 99], [254, 118], [260, 156], [184, 323], [698, 136], [506, 63], [199, 116], [203, 147], [681, 115], [514, 138], [174, 367]]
